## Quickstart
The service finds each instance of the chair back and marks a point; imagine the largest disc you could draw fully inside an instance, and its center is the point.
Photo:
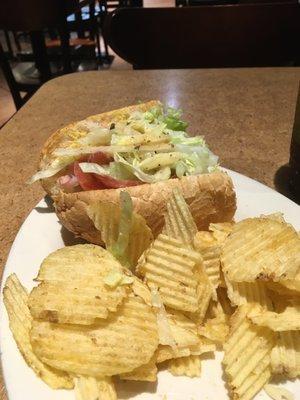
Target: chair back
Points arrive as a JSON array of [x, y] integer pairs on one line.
[[239, 35], [33, 15]]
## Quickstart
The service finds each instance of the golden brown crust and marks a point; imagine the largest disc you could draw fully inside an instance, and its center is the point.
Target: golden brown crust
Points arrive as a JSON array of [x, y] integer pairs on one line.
[[211, 198]]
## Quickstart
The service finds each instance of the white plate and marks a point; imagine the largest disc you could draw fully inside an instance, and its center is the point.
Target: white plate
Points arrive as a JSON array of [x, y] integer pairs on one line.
[[41, 234]]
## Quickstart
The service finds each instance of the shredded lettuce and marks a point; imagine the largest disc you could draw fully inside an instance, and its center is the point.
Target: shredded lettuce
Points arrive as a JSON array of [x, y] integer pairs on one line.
[[149, 146], [119, 171], [56, 166], [173, 121], [164, 331], [96, 137], [160, 175], [153, 114], [118, 249], [46, 173], [93, 168]]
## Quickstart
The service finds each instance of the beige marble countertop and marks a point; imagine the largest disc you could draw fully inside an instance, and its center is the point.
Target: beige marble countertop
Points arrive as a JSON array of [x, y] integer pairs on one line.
[[246, 116]]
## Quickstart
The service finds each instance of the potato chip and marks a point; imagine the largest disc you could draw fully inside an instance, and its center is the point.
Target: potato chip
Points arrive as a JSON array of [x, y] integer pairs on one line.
[[172, 268], [89, 388], [205, 294], [210, 251], [80, 263], [204, 345], [179, 222], [146, 372], [247, 355], [261, 249], [288, 288], [287, 320], [106, 218], [241, 293], [215, 328], [278, 216], [72, 303], [164, 353], [224, 301], [285, 356], [278, 393], [293, 285], [221, 230], [73, 288], [188, 366], [141, 290], [174, 329], [15, 298], [119, 344], [183, 330]]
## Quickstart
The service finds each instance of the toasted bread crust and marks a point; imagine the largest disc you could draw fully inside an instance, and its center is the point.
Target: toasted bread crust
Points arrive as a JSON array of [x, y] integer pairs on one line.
[[211, 198]]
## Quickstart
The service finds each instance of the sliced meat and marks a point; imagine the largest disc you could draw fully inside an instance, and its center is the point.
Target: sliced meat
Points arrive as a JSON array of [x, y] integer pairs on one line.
[[99, 158], [86, 181], [113, 183]]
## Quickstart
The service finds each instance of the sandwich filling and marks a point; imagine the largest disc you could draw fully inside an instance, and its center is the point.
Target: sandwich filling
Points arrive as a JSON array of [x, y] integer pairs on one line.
[[145, 147]]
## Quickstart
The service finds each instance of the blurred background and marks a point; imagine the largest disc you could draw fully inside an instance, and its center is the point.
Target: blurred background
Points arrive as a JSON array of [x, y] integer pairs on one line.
[[42, 39]]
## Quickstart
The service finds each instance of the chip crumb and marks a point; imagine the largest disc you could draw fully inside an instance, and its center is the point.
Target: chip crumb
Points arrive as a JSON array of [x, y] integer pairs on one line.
[[278, 393], [115, 278]]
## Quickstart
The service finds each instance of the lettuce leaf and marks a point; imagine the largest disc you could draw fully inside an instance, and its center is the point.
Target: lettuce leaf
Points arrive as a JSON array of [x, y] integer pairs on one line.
[[118, 249], [173, 121]]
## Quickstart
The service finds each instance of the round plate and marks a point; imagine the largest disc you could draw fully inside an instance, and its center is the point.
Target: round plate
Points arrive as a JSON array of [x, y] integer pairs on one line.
[[41, 233]]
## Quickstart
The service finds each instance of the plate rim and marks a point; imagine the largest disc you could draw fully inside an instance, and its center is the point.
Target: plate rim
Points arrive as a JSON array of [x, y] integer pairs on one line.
[[233, 174]]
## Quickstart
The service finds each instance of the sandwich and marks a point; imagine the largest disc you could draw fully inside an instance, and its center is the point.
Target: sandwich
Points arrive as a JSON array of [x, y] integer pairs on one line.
[[143, 149]]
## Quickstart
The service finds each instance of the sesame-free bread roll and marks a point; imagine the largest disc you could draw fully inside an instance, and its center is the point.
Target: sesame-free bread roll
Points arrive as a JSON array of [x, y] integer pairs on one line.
[[211, 198]]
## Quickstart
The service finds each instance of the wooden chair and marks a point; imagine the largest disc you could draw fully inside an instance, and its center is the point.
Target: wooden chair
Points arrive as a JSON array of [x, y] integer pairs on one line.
[[191, 3], [107, 6], [240, 35], [34, 17]]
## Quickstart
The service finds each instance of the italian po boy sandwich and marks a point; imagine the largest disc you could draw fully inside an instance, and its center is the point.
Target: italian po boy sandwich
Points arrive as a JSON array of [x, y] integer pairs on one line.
[[143, 148]]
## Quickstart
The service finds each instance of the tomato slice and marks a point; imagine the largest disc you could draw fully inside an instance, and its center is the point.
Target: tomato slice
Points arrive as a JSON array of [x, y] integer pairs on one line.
[[86, 181], [113, 183]]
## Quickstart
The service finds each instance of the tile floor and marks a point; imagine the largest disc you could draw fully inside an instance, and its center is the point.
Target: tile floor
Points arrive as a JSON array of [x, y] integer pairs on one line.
[[7, 108]]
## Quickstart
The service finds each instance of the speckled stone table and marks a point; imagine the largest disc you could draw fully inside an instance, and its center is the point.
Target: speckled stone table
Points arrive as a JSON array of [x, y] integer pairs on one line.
[[246, 116]]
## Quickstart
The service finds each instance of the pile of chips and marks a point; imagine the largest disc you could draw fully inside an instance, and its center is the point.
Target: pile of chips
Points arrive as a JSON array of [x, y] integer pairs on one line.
[[145, 303]]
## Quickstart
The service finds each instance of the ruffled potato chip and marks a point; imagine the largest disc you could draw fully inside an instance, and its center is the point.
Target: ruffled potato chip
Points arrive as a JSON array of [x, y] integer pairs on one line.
[[247, 355], [210, 250], [89, 388], [189, 366], [15, 298], [285, 356], [179, 222], [119, 344], [261, 249], [173, 269], [73, 288]]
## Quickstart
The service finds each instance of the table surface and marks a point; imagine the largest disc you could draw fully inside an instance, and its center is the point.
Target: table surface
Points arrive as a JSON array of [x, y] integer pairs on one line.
[[246, 116]]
